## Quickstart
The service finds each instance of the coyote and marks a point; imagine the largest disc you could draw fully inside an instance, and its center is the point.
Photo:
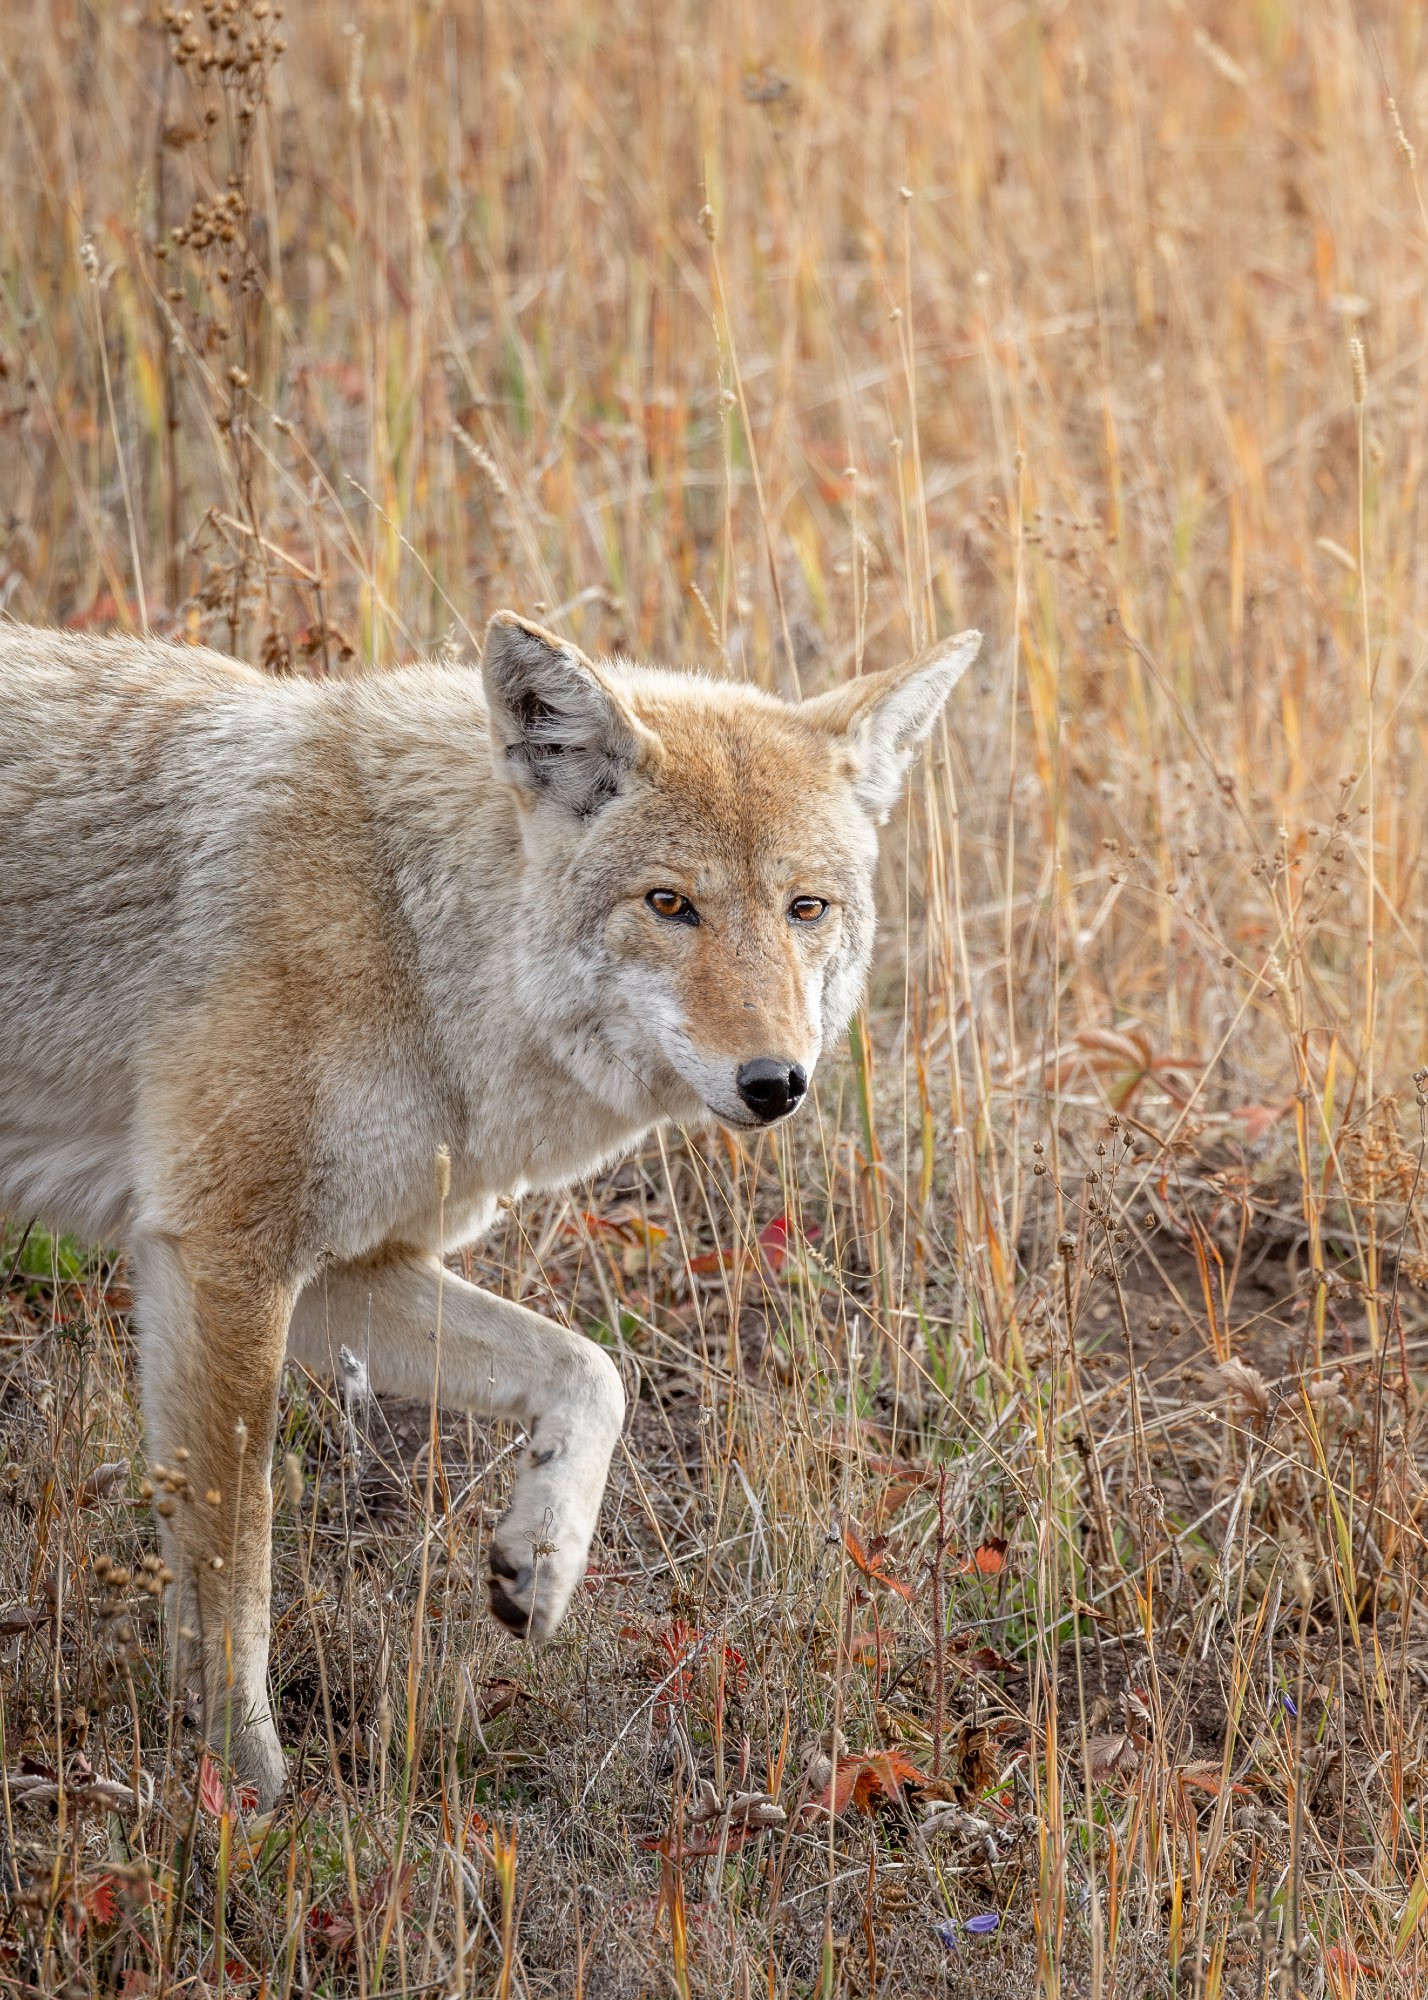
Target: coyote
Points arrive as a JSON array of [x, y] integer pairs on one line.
[[271, 949]]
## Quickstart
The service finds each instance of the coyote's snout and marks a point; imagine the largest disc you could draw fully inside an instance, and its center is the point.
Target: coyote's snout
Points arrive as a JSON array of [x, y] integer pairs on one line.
[[267, 948]]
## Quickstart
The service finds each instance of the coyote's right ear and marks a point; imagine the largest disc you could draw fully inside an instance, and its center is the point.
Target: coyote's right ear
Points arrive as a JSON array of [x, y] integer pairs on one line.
[[557, 730], [885, 716]]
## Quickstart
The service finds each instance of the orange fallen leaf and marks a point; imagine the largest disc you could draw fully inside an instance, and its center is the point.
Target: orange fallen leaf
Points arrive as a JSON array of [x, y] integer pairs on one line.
[[1344, 1967], [989, 1559], [870, 1561], [1207, 1779], [863, 1782], [710, 1260]]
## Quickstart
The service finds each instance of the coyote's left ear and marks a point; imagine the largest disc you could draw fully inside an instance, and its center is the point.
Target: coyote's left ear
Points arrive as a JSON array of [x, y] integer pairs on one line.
[[885, 716], [558, 730]]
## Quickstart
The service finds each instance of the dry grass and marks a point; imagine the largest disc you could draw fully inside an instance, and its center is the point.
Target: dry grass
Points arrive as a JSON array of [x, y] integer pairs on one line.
[[785, 336]]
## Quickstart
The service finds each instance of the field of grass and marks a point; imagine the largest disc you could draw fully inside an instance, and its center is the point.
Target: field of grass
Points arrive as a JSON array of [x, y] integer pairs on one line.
[[1011, 1578]]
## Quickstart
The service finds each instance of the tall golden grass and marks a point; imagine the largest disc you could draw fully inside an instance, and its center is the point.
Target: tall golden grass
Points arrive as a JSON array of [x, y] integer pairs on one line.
[[777, 340]]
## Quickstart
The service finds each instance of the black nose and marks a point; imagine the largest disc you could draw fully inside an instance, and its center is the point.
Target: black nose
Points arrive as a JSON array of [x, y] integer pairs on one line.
[[771, 1088]]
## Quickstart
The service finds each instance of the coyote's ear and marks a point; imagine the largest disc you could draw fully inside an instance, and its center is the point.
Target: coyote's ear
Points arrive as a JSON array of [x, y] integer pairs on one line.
[[557, 730], [885, 716]]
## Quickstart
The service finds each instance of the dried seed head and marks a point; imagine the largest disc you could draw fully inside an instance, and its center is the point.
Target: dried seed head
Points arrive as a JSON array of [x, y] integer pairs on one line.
[[1401, 138], [1356, 362], [293, 1480], [1246, 1389], [443, 1172]]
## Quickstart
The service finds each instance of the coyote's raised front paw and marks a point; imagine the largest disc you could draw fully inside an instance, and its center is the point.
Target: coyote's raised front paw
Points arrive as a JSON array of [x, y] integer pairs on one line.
[[540, 1548]]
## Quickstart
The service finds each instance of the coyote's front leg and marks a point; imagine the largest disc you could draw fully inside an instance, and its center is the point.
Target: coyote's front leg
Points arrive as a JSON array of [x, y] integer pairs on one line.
[[499, 1360], [211, 1336]]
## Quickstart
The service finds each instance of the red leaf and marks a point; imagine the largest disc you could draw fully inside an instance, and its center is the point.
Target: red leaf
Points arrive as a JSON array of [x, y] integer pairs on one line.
[[212, 1797], [331, 1929], [384, 1888], [883, 1777], [777, 1237], [863, 1645], [856, 1550], [773, 1241], [103, 610], [99, 1899], [210, 1787]]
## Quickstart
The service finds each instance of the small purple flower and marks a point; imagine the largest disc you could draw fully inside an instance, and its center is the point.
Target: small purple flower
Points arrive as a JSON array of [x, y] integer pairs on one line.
[[1288, 1703], [980, 1926]]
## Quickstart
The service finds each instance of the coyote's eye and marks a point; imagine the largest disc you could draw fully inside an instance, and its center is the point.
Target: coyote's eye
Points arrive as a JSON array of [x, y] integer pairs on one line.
[[674, 908], [807, 909]]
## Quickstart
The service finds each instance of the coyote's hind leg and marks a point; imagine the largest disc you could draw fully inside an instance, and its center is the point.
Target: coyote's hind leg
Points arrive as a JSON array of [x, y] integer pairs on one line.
[[211, 1339], [499, 1360]]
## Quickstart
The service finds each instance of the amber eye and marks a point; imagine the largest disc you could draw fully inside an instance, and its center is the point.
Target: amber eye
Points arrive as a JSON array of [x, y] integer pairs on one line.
[[807, 909], [674, 908]]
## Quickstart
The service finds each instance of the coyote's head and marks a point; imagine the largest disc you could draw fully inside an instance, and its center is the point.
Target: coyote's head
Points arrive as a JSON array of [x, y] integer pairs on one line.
[[697, 864]]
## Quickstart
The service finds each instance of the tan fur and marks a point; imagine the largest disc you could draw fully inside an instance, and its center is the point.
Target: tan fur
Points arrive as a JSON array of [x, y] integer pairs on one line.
[[265, 947]]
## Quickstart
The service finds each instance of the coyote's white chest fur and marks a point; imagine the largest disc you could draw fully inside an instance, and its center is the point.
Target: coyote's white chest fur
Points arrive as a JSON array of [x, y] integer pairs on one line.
[[268, 948]]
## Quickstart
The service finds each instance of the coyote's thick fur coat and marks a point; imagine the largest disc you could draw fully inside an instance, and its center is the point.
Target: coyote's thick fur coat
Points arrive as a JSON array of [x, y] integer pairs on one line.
[[267, 947]]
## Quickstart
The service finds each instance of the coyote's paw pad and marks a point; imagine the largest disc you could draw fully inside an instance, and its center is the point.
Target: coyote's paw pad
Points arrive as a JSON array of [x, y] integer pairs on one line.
[[530, 1598], [509, 1584]]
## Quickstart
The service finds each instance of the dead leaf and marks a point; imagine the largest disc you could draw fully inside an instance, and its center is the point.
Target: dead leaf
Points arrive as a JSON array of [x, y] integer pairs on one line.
[[497, 1696], [1246, 1388], [1111, 1755], [965, 1658], [103, 1481], [976, 1763], [818, 1755], [24, 1618]]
